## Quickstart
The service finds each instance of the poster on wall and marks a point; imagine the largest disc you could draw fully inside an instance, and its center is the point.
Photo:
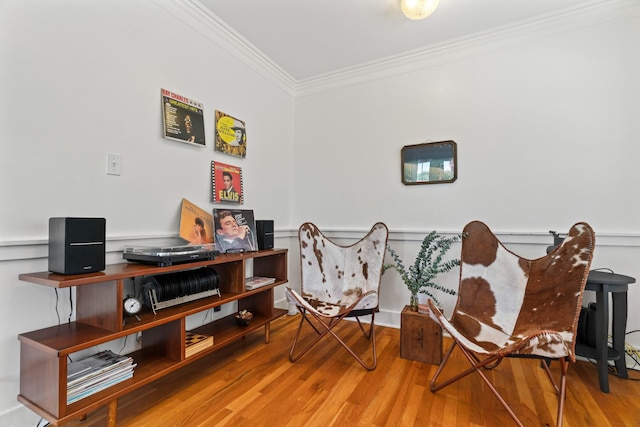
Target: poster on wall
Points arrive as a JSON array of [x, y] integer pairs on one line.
[[226, 183], [235, 230], [182, 118], [196, 224], [231, 135]]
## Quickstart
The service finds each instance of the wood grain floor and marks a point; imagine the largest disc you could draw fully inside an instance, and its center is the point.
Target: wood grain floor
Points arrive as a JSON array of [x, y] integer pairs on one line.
[[250, 383]]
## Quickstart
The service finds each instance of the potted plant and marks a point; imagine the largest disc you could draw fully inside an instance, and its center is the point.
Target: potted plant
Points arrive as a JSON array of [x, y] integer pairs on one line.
[[419, 278]]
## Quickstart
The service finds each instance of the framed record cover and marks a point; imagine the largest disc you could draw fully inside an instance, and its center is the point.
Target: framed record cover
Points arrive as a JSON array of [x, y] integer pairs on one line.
[[226, 183], [235, 230], [182, 118], [231, 135], [196, 225]]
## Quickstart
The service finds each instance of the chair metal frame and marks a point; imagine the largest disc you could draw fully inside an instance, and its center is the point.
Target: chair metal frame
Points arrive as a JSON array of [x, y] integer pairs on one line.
[[574, 256], [364, 304]]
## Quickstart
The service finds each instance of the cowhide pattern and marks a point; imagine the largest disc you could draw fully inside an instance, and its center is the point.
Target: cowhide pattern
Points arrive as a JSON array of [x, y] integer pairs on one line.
[[339, 278], [508, 304]]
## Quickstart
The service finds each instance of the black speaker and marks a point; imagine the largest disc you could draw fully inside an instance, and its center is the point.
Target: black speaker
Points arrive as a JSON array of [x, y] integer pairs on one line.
[[264, 229], [587, 325], [76, 245]]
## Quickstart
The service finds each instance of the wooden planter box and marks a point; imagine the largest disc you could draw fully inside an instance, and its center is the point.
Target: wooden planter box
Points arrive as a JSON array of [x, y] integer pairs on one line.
[[420, 337]]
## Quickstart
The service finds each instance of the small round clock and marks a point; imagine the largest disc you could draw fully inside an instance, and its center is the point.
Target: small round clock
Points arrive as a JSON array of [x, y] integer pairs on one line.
[[132, 306]]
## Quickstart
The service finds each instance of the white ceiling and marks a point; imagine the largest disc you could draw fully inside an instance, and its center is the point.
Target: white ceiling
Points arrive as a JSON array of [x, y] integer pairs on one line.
[[309, 39]]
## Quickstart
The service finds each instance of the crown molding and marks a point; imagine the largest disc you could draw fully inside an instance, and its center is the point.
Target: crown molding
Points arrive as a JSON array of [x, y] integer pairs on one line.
[[202, 20], [593, 13], [198, 17]]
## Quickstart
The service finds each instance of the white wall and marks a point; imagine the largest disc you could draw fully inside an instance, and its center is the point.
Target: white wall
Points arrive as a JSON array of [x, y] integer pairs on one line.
[[545, 129], [83, 78], [547, 132]]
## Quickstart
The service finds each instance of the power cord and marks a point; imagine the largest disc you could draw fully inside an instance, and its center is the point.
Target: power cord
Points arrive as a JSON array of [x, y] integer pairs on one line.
[[56, 307], [124, 344], [58, 302], [206, 316], [604, 269], [70, 305], [633, 353], [629, 351]]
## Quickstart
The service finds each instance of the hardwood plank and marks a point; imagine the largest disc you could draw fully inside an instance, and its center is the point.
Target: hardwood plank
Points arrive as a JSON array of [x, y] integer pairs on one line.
[[249, 382]]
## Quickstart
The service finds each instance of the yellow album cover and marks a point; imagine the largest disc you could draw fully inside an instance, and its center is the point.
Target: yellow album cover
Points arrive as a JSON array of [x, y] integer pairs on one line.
[[231, 135]]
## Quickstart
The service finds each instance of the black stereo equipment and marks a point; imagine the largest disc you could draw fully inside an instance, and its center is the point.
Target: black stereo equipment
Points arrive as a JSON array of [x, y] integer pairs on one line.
[[76, 245], [264, 229], [166, 256], [587, 325]]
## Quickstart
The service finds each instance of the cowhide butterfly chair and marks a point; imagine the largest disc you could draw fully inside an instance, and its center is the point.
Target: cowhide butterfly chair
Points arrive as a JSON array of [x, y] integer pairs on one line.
[[511, 306], [337, 282]]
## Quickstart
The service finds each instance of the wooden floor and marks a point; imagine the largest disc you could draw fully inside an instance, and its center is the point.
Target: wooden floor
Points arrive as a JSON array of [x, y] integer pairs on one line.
[[252, 384]]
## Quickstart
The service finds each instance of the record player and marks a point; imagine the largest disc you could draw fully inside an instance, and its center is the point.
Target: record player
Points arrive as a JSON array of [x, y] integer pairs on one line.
[[166, 256]]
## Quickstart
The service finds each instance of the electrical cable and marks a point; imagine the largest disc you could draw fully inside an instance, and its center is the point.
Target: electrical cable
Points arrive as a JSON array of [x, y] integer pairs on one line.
[[71, 305], [630, 352], [604, 269], [633, 353], [57, 313], [206, 316], [124, 344]]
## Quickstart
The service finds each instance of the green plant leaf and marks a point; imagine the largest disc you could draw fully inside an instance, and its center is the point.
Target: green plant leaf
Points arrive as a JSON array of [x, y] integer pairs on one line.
[[419, 277]]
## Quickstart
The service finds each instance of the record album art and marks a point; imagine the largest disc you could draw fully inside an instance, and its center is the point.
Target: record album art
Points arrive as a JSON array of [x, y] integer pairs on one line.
[[226, 183], [235, 230], [196, 224], [182, 118], [231, 135]]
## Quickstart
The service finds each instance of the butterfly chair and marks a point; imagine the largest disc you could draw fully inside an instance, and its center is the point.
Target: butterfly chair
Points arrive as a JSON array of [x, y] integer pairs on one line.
[[337, 282], [511, 306]]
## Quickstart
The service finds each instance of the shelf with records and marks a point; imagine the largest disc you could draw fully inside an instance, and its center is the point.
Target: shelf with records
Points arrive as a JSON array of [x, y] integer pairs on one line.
[[61, 391]]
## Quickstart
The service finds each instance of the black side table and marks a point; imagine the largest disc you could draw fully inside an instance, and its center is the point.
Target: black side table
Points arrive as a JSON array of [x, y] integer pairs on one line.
[[603, 283]]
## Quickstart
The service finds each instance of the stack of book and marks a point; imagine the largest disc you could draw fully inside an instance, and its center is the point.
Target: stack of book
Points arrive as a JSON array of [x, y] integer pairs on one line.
[[95, 373], [257, 282], [194, 343]]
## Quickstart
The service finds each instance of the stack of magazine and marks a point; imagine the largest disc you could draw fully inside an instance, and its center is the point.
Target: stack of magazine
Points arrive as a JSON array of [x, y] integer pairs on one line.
[[95, 373], [256, 282]]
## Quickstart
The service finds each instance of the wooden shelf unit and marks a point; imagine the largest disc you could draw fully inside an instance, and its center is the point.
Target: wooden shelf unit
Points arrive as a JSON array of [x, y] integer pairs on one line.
[[99, 319]]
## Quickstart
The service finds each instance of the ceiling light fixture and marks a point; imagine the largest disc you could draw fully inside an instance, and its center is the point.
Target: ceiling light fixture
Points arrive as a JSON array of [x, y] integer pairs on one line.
[[418, 9]]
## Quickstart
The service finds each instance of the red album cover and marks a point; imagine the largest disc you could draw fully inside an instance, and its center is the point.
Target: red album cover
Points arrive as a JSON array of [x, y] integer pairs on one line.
[[226, 183]]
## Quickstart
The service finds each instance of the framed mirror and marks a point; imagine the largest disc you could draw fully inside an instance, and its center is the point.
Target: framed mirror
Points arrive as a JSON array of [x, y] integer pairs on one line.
[[429, 163]]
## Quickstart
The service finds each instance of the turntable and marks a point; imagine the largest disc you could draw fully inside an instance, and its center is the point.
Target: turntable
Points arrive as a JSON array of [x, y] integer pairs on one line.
[[164, 257]]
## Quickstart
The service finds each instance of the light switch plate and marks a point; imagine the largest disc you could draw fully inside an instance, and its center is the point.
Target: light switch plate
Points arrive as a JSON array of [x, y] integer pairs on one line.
[[114, 164]]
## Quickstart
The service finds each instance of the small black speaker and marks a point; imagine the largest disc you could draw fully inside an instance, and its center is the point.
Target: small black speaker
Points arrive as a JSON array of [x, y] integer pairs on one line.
[[587, 325], [264, 229], [76, 245]]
